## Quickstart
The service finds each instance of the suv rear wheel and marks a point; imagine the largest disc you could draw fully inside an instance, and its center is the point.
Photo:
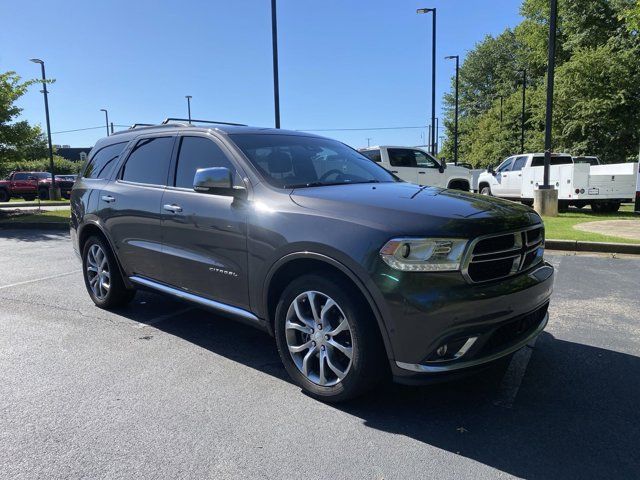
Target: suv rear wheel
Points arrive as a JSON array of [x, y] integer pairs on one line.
[[328, 339], [102, 275]]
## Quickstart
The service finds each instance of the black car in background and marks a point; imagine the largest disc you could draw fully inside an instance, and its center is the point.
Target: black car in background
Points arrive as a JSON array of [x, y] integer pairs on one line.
[[357, 275]]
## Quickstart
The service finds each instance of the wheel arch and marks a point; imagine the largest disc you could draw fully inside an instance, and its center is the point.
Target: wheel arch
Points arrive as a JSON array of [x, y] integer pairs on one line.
[[453, 182], [299, 263]]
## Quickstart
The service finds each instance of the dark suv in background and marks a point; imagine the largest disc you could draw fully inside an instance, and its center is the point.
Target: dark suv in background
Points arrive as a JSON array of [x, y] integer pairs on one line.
[[357, 274]]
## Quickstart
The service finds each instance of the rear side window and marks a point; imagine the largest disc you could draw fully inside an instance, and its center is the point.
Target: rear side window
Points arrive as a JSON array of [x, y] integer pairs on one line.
[[538, 161], [149, 161], [195, 153], [373, 155], [102, 162], [400, 157]]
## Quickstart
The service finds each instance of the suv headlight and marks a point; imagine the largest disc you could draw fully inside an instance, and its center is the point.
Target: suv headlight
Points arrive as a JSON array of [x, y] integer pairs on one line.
[[424, 254]]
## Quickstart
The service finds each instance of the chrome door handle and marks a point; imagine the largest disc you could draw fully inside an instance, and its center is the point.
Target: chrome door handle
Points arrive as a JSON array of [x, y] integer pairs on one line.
[[172, 208], [107, 198]]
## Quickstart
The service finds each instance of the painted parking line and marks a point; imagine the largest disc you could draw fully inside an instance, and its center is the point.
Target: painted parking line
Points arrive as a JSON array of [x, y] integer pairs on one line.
[[26, 282], [512, 379], [161, 318]]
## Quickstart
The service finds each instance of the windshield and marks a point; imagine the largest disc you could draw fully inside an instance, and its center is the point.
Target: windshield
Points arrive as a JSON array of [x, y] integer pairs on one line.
[[291, 161]]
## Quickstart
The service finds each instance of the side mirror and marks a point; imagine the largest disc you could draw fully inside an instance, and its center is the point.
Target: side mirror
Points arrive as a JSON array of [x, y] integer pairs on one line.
[[491, 170], [216, 181]]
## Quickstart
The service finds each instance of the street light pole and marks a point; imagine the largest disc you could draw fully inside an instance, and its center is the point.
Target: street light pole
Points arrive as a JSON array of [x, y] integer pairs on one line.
[[106, 118], [433, 72], [501, 100], [188, 97], [276, 82], [52, 191], [524, 99], [455, 125]]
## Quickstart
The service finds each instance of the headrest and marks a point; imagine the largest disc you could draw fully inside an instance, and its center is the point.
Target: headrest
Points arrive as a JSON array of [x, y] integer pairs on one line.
[[279, 162]]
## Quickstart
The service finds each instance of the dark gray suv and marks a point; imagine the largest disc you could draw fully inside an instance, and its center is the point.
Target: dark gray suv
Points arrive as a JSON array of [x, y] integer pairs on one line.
[[356, 274]]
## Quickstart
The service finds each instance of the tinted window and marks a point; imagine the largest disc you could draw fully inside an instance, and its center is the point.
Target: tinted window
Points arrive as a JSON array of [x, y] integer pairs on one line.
[[373, 155], [20, 176], [538, 160], [149, 161], [401, 157], [519, 163], [103, 161], [291, 161], [425, 161], [504, 165], [195, 153]]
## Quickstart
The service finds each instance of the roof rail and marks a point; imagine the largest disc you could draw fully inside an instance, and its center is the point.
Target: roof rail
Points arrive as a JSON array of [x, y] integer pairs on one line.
[[172, 119], [136, 125]]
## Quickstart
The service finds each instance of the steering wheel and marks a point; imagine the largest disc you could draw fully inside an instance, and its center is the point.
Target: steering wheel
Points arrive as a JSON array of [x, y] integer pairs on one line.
[[326, 175]]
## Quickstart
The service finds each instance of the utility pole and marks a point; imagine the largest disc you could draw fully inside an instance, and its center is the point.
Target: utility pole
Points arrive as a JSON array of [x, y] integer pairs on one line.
[[524, 103], [274, 43], [53, 191], [106, 119], [433, 73], [368, 141], [188, 97]]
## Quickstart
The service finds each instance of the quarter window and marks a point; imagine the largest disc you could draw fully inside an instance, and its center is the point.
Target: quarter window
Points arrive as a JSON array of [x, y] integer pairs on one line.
[[195, 153], [102, 162], [373, 155], [149, 161]]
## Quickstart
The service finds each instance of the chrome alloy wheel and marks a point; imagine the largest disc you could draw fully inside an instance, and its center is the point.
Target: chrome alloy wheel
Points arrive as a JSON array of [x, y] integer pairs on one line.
[[319, 338], [98, 274]]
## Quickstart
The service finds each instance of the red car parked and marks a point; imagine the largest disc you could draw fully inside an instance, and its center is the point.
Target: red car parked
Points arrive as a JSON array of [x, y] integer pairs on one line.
[[30, 185]]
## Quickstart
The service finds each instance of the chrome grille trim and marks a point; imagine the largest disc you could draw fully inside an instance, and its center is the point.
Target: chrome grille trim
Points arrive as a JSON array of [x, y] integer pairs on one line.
[[523, 246]]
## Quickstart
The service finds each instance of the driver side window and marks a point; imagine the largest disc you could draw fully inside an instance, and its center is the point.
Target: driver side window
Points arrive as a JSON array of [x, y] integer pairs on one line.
[[504, 166], [425, 161]]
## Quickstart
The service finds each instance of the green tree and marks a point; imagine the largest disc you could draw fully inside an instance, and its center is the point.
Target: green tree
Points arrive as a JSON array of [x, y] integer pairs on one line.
[[18, 139]]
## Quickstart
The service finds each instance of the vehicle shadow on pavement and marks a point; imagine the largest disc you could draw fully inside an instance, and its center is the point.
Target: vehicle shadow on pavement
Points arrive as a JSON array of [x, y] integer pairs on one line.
[[575, 415], [32, 236]]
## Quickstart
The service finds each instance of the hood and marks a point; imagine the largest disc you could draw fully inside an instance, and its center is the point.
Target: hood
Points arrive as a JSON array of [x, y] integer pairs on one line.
[[414, 209]]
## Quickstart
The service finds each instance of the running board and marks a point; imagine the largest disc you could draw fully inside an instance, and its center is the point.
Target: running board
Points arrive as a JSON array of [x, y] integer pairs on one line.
[[242, 314]]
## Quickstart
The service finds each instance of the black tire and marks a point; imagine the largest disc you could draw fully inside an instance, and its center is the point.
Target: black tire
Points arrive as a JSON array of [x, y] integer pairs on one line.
[[486, 190], [597, 207], [368, 364], [43, 194], [29, 198], [613, 207], [4, 195], [117, 294]]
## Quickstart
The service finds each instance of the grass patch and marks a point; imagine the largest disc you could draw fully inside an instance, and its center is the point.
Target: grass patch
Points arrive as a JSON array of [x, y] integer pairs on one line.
[[52, 216], [561, 227], [34, 202]]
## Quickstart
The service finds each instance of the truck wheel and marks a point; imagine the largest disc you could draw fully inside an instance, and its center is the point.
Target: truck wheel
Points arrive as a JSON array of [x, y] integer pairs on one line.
[[4, 195], [486, 190], [613, 207], [29, 198], [597, 207], [102, 276], [328, 339], [43, 194]]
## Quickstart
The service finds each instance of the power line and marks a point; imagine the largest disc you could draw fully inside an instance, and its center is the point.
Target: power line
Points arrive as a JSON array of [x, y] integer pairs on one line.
[[84, 129], [357, 129]]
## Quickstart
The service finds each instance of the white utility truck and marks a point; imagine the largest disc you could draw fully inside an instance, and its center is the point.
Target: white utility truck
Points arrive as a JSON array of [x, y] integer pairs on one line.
[[415, 165], [603, 187]]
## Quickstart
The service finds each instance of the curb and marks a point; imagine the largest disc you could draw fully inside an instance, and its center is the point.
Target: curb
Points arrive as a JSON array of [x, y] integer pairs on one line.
[[602, 247], [59, 226], [33, 204]]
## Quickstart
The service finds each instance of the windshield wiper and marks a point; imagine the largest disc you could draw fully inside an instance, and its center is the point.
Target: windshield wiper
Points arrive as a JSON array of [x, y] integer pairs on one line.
[[322, 184]]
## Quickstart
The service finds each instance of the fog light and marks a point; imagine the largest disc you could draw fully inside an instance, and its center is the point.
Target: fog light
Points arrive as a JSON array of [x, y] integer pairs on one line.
[[442, 350]]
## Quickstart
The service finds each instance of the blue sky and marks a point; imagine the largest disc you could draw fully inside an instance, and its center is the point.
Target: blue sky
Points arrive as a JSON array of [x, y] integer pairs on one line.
[[343, 63]]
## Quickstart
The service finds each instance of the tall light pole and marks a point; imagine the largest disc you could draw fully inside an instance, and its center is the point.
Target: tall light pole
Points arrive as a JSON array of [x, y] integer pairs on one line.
[[274, 43], [106, 119], [501, 100], [455, 124], [524, 104], [433, 73], [53, 192], [188, 97]]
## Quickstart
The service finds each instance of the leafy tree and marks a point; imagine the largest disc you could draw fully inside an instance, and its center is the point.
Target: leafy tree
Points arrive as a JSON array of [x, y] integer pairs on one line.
[[18, 139]]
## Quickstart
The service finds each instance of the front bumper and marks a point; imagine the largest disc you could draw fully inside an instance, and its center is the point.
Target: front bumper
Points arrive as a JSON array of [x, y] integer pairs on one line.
[[484, 322]]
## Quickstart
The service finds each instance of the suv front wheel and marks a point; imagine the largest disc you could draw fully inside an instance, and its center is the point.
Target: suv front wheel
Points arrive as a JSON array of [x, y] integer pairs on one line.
[[102, 276], [328, 339]]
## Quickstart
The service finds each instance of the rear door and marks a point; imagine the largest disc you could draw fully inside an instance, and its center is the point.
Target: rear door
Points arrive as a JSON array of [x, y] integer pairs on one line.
[[204, 235], [403, 163], [130, 206]]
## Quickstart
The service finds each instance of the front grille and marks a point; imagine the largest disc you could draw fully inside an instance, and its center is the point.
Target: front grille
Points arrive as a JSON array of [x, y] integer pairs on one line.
[[502, 255]]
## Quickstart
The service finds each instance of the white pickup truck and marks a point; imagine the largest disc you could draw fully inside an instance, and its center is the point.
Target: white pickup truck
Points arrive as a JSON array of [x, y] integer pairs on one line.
[[603, 187], [415, 165]]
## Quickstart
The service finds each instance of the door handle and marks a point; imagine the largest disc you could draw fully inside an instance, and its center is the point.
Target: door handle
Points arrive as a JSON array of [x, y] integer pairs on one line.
[[173, 208], [394, 171], [422, 173], [504, 175], [107, 198]]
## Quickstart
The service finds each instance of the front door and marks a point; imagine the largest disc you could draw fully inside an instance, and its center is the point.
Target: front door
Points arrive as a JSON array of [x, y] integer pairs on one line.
[[514, 178], [130, 207], [204, 235], [429, 170], [403, 164], [500, 188]]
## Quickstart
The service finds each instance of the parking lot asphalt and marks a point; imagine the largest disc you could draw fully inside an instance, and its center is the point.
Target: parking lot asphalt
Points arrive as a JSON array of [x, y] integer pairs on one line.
[[161, 389]]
